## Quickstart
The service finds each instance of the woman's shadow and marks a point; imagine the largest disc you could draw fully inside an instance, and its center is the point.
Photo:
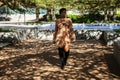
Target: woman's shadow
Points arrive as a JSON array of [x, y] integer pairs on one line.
[[50, 57]]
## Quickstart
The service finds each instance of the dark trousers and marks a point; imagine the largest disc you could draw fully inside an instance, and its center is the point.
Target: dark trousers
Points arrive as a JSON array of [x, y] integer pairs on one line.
[[63, 54]]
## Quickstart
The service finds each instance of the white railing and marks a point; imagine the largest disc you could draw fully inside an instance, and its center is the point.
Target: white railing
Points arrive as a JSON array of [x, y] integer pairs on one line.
[[51, 26]]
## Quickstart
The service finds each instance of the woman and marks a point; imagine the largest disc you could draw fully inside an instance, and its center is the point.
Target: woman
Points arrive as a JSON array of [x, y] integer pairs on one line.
[[63, 35]]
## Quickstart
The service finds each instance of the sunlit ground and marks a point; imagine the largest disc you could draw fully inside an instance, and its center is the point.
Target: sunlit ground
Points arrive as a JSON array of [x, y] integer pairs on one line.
[[38, 60]]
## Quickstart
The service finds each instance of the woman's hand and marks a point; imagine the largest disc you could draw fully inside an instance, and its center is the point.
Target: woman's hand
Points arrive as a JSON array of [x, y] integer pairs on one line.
[[64, 23], [73, 40]]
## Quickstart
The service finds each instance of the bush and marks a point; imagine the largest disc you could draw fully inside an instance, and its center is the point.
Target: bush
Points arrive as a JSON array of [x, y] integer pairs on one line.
[[50, 18], [6, 30], [86, 18], [73, 17], [118, 17], [57, 16], [78, 18], [117, 30]]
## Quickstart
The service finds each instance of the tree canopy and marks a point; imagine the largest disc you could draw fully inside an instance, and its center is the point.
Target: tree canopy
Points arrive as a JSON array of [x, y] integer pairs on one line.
[[91, 6]]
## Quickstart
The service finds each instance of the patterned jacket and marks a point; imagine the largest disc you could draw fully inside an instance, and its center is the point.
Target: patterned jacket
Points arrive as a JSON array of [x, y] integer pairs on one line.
[[64, 32]]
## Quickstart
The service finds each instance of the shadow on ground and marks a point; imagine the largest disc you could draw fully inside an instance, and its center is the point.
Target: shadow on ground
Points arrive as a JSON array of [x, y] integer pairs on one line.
[[112, 64], [87, 61]]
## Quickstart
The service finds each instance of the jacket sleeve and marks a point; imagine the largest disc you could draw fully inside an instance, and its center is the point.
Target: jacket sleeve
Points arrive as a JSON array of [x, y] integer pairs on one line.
[[72, 34]]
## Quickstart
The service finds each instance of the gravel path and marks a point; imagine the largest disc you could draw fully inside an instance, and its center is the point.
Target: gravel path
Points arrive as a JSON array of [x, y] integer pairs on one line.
[[38, 60]]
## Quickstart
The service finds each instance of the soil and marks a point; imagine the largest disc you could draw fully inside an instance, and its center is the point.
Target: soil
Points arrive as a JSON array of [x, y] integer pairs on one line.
[[38, 60]]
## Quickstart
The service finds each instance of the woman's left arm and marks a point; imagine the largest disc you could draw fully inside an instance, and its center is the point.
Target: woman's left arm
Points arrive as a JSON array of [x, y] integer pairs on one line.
[[72, 34]]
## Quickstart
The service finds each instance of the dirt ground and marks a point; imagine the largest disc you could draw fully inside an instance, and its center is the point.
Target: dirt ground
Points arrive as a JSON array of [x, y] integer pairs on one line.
[[38, 60]]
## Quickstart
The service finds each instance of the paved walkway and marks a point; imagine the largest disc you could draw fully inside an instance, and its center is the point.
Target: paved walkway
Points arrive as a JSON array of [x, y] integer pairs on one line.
[[38, 60]]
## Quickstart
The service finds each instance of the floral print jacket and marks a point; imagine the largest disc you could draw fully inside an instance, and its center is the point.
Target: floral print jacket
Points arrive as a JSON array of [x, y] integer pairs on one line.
[[64, 32]]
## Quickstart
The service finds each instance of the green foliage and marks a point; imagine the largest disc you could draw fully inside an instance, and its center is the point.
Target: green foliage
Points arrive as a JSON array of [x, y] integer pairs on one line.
[[83, 19], [118, 16], [89, 18], [57, 16], [94, 7], [6, 30], [50, 17], [88, 21], [73, 17], [117, 30]]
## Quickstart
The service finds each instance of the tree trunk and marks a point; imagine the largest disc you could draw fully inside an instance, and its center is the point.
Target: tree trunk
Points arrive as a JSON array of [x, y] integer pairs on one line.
[[106, 16], [48, 14], [24, 17], [37, 13], [6, 11], [114, 14], [53, 14], [54, 17], [109, 14]]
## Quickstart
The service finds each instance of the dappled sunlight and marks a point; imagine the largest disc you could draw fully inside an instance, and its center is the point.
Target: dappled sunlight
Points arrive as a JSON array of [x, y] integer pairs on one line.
[[38, 60]]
